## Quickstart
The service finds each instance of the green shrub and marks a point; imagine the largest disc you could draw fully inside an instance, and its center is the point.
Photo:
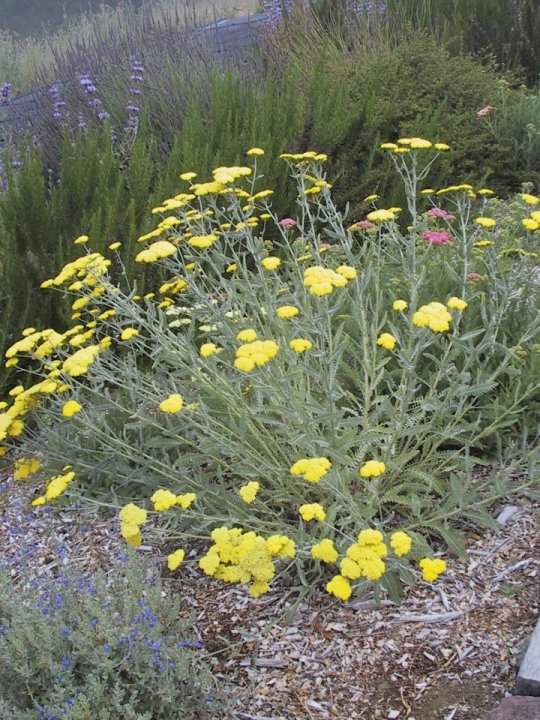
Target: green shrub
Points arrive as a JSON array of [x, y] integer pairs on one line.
[[278, 351], [507, 29], [104, 645], [414, 87]]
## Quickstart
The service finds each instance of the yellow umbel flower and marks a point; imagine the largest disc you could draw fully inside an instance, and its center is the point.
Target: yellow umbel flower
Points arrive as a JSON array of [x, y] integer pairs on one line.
[[340, 587], [248, 492], [300, 345], [175, 559], [432, 568], [173, 404], [387, 341], [324, 551], [311, 469], [312, 511], [287, 311], [456, 303], [372, 468], [71, 407]]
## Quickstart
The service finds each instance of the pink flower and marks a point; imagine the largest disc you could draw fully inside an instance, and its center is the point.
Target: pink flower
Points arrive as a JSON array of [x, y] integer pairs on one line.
[[364, 224], [440, 213], [474, 276], [288, 223], [484, 111], [436, 238]]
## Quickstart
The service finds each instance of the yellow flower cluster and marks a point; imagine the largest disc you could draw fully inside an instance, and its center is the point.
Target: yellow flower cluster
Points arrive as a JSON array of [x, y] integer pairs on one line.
[[312, 511], [89, 268], [431, 568], [322, 281], [400, 543], [173, 404], [365, 559], [414, 143], [245, 557], [71, 407], [175, 559], [248, 492], [456, 303], [157, 251], [132, 517], [208, 349], [81, 360], [485, 222], [435, 316], [165, 500], [254, 354], [270, 263], [387, 341], [300, 345], [56, 486], [325, 551], [285, 312], [532, 223], [311, 469], [372, 468], [24, 467], [302, 158]]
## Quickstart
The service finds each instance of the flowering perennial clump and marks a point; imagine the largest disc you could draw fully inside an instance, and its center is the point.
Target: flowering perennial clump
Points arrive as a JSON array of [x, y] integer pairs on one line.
[[136, 374]]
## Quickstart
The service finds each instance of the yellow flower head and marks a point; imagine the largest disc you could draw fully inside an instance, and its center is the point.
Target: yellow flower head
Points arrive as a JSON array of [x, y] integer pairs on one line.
[[133, 514], [432, 568], [175, 559], [340, 587], [400, 543], [287, 311], [128, 333], [456, 303], [24, 467], [399, 305], [270, 263], [387, 341], [255, 151], [324, 551], [208, 349], [312, 511], [372, 468], [71, 407], [248, 492], [485, 222], [248, 335], [173, 404], [163, 500], [381, 216], [300, 345], [311, 469]]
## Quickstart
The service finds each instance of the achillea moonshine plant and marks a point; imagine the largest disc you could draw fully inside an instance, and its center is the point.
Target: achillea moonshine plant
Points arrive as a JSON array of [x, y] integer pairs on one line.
[[312, 396]]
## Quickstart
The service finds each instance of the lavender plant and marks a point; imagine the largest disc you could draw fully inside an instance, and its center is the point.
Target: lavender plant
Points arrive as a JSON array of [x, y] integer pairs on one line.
[[114, 641]]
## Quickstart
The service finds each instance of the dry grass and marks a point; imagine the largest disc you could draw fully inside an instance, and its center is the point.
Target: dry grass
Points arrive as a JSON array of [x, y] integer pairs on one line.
[[21, 61]]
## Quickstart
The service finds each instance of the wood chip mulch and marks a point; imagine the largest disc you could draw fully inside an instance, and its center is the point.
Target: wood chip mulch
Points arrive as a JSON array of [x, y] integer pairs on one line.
[[450, 651]]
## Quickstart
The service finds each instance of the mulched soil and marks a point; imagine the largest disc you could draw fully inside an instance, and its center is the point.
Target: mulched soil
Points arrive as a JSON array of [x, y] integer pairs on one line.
[[450, 651]]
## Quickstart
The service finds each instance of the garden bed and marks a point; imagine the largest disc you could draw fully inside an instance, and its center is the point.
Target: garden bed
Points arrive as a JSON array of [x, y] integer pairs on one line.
[[451, 650]]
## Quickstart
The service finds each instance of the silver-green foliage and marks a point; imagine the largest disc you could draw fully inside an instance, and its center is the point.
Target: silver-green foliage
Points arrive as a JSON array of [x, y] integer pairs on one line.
[[425, 409]]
